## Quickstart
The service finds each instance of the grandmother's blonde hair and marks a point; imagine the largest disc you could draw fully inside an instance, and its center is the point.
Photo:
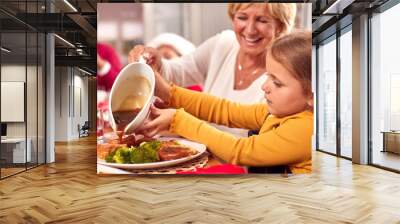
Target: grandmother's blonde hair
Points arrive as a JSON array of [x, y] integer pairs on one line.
[[284, 13]]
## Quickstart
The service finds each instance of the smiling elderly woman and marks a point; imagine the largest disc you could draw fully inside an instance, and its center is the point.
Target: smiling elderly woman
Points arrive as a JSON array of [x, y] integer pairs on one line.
[[232, 63]]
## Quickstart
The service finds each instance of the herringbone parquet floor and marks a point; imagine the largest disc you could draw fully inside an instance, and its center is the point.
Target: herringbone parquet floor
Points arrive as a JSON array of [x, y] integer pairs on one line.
[[69, 191]]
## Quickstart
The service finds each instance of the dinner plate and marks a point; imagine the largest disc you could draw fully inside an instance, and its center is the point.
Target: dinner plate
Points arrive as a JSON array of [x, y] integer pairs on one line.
[[200, 148]]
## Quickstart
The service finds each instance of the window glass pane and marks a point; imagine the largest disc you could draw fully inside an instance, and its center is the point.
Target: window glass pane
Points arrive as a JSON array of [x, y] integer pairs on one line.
[[385, 84], [346, 94], [14, 153], [327, 96], [31, 97], [314, 84], [22, 88]]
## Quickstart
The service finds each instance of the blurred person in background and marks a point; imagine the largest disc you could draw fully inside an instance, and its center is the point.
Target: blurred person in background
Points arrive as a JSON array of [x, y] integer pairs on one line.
[[108, 66], [230, 64], [170, 46]]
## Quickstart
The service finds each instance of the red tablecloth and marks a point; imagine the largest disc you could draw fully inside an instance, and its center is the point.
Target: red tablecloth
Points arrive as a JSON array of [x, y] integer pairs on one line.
[[217, 169]]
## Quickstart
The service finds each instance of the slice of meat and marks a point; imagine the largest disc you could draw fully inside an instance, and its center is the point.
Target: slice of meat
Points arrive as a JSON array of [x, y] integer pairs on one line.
[[129, 140], [171, 152], [170, 143]]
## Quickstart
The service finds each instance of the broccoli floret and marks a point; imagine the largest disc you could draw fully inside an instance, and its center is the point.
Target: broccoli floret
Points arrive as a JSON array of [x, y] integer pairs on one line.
[[151, 151], [137, 155], [146, 153], [153, 145], [122, 155], [109, 157], [150, 155]]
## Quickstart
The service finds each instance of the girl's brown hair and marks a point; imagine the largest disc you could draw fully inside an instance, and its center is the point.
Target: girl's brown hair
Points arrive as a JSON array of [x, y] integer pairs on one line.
[[284, 13], [293, 51]]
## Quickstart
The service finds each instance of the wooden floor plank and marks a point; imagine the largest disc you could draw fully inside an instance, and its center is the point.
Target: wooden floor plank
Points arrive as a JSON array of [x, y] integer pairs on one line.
[[69, 191]]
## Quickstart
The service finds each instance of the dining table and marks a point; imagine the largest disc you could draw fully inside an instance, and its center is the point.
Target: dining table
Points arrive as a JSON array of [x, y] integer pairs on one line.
[[182, 168], [206, 163]]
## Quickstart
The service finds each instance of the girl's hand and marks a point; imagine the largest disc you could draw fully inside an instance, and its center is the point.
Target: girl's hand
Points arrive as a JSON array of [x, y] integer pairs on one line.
[[161, 122], [162, 89], [159, 103], [151, 55]]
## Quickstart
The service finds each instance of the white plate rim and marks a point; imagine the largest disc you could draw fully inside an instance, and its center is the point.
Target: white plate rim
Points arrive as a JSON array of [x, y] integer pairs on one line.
[[201, 148]]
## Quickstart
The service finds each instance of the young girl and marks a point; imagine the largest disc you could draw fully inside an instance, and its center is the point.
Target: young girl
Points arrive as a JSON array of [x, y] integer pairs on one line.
[[285, 121]]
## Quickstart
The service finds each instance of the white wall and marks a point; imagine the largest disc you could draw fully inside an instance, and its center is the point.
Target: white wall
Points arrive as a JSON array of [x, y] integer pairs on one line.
[[79, 117], [61, 103], [14, 73], [195, 21], [69, 82], [210, 19]]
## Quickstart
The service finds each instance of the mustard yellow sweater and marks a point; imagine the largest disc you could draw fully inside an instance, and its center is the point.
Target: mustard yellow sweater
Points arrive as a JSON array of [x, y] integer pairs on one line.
[[281, 141]]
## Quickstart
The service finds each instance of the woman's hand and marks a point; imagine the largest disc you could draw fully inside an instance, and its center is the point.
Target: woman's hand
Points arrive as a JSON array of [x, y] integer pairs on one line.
[[151, 56], [161, 122]]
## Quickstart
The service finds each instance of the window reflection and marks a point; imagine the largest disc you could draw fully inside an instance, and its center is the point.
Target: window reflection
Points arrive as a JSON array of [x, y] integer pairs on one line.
[[346, 94], [327, 96], [385, 84], [13, 84], [22, 90]]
